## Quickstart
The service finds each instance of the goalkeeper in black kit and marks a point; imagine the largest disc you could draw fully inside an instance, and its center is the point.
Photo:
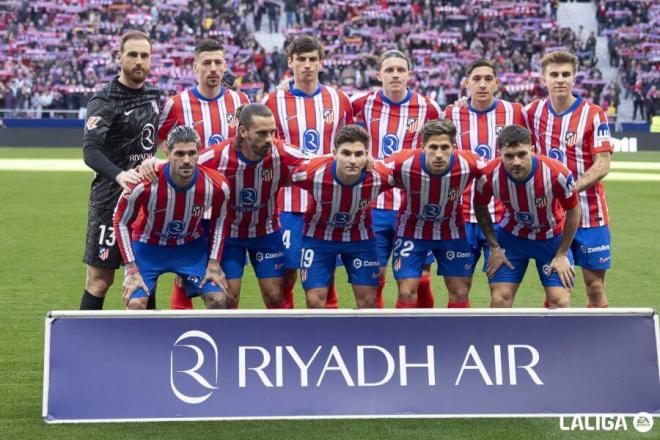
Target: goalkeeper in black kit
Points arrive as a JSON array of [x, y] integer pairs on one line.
[[120, 130]]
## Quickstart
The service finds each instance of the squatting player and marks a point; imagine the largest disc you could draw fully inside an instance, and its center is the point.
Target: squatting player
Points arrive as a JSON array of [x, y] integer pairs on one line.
[[209, 107], [119, 133], [393, 117], [541, 215], [434, 179], [159, 229], [257, 166], [478, 123], [308, 116], [338, 218], [575, 132]]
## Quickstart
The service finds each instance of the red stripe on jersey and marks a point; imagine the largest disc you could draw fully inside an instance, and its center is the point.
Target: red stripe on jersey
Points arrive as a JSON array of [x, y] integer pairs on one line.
[[575, 138], [339, 212]]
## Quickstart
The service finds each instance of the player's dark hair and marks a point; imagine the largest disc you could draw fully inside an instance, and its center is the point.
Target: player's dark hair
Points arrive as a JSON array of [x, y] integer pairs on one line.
[[393, 53], [182, 134], [246, 113], [302, 44], [132, 35], [439, 127], [513, 136], [208, 45], [480, 63], [559, 57], [352, 133]]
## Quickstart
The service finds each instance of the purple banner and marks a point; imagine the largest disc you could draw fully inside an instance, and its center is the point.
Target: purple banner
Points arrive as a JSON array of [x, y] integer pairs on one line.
[[112, 366]]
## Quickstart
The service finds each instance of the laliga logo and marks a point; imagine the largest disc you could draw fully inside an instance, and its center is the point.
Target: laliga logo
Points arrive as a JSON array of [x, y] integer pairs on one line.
[[192, 372], [390, 144]]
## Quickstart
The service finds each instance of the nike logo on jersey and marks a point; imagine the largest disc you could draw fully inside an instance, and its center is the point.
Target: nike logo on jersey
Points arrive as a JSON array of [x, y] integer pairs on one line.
[[128, 112]]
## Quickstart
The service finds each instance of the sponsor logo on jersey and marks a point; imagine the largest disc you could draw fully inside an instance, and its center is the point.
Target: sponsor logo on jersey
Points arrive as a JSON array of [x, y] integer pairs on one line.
[[248, 196], [311, 141], [215, 139], [431, 211], [148, 139], [525, 218], [556, 154], [483, 151], [341, 219], [603, 133], [175, 228], [390, 144], [92, 122]]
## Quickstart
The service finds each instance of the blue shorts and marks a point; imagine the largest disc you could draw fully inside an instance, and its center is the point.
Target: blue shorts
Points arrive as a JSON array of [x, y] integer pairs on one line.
[[187, 260], [319, 259], [478, 242], [266, 255], [455, 257], [292, 224], [519, 251], [385, 223], [591, 248]]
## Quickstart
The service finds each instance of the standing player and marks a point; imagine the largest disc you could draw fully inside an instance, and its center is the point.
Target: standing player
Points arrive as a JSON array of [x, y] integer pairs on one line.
[[257, 166], [308, 115], [338, 218], [210, 108], [393, 117], [541, 215], [575, 132], [159, 230], [434, 179], [119, 133], [478, 124]]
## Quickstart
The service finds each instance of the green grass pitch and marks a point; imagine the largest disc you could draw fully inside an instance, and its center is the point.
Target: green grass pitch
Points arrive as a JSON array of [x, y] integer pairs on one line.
[[43, 220]]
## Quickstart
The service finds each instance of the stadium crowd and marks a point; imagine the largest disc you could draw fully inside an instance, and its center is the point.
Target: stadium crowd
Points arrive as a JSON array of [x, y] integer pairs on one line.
[[54, 55]]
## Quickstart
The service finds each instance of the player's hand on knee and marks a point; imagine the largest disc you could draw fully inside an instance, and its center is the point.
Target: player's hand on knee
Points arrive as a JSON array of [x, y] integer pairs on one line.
[[127, 178], [562, 265], [148, 168], [496, 259], [132, 282], [214, 274]]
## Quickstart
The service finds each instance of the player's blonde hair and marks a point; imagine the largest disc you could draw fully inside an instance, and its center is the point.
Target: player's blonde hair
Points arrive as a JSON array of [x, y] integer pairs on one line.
[[393, 53], [559, 57], [132, 35]]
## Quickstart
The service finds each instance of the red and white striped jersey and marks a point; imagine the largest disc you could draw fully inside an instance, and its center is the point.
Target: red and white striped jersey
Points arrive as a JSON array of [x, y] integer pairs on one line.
[[534, 208], [213, 119], [477, 131], [161, 213], [433, 203], [309, 122], [393, 126], [252, 210], [339, 212], [574, 138]]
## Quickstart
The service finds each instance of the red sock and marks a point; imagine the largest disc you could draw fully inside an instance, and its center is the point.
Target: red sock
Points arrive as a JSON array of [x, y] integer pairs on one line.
[[546, 304], [459, 305], [597, 307], [331, 298], [180, 300], [402, 305], [424, 293], [288, 294], [284, 305], [379, 293]]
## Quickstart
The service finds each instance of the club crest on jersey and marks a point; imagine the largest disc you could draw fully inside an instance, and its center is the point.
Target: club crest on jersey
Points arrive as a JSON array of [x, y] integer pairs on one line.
[[328, 115], [364, 204], [483, 151], [498, 129], [413, 125], [540, 202], [198, 210], [248, 196], [303, 275], [231, 120], [397, 263], [570, 138], [390, 144], [311, 141], [267, 174], [92, 122], [454, 194]]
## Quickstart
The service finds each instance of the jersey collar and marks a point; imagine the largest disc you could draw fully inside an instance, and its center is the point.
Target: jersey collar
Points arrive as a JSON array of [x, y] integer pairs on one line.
[[300, 93], [389, 102], [489, 109], [535, 164], [333, 168], [422, 157], [245, 159], [198, 95], [192, 183], [575, 105]]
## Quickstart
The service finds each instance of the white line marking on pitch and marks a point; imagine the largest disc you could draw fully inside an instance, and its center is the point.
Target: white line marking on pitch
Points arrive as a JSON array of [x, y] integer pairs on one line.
[[635, 165]]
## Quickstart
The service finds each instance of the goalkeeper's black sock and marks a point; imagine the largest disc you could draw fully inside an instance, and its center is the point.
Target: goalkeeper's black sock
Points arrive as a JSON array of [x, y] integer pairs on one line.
[[151, 302], [91, 302]]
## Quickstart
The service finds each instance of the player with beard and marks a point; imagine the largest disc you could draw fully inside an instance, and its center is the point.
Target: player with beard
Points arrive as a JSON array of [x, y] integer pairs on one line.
[[120, 132]]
